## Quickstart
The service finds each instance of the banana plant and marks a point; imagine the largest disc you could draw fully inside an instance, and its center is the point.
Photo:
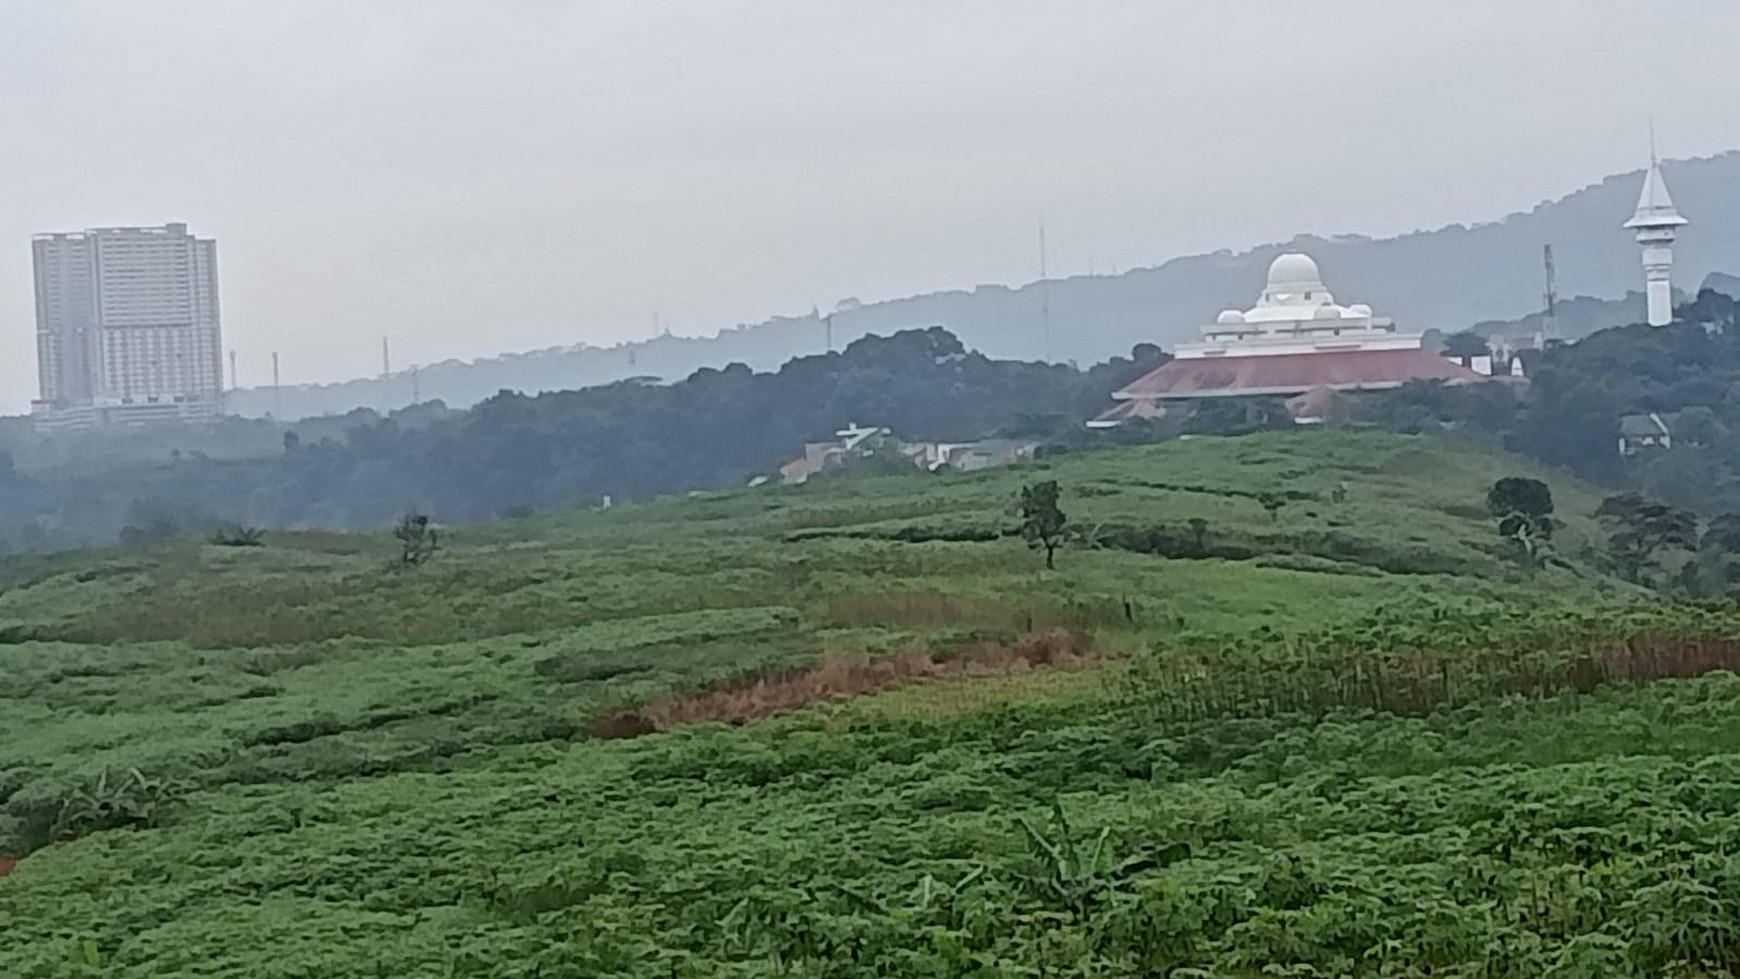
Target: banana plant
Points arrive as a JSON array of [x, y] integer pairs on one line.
[[1068, 874]]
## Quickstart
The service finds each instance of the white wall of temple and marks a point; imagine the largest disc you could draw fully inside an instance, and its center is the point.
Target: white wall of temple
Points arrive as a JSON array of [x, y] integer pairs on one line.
[[1273, 346]]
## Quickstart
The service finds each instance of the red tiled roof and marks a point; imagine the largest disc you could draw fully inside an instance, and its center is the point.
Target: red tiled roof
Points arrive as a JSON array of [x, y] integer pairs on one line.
[[1286, 374]]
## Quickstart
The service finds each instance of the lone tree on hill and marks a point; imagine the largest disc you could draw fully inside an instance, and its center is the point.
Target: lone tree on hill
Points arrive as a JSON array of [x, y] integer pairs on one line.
[[418, 540], [1272, 502], [1199, 536], [1523, 508], [1522, 498], [1645, 529], [1042, 521]]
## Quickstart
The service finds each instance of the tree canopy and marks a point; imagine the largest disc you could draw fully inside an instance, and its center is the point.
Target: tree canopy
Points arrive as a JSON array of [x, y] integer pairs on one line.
[[1466, 344], [630, 440], [1042, 519]]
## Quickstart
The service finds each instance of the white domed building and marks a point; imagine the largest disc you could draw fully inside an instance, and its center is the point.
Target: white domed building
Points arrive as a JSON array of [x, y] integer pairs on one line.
[[1295, 340]]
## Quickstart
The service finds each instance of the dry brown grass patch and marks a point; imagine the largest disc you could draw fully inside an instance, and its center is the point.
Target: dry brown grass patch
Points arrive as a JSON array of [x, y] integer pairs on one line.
[[837, 677]]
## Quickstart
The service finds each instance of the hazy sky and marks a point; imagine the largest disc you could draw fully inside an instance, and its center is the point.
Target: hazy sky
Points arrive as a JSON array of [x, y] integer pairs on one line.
[[474, 177]]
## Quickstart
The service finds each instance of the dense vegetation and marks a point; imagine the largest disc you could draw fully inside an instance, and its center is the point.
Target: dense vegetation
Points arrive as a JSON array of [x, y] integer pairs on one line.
[[1318, 721], [1569, 415], [631, 441], [627, 441]]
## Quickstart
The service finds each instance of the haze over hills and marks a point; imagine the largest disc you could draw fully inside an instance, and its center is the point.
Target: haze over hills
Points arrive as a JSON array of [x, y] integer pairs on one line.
[[1446, 279]]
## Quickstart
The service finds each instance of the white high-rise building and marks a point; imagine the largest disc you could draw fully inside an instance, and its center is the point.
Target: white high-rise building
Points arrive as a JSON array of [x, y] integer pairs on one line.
[[1656, 222], [127, 327]]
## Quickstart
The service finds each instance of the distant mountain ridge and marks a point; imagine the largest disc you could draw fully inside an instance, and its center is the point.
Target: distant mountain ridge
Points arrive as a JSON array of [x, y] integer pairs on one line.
[[1447, 279]]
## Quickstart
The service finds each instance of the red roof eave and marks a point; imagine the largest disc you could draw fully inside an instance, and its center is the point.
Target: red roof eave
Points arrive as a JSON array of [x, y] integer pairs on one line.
[[1287, 374]]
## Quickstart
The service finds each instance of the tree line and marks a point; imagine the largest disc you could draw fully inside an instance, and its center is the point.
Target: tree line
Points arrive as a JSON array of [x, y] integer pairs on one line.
[[1569, 414], [632, 440], [516, 453]]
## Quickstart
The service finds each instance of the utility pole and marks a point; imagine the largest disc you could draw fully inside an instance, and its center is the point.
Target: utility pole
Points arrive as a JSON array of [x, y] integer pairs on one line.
[[229, 397], [1044, 291]]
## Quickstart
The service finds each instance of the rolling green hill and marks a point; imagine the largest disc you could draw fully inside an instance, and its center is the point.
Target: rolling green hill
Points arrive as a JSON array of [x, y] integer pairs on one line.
[[1348, 738]]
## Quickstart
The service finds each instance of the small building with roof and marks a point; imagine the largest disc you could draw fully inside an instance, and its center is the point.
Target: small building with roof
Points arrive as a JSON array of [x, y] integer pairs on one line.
[[1645, 432], [860, 441]]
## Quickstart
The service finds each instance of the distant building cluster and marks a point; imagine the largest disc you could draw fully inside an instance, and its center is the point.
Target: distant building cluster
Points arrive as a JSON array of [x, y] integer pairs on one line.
[[869, 442], [1298, 344], [127, 327]]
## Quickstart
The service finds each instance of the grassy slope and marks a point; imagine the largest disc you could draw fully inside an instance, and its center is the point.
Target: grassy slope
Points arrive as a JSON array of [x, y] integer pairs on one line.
[[387, 767]]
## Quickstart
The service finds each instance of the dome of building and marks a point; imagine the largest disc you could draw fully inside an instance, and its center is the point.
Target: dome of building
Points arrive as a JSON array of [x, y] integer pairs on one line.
[[1359, 309], [1294, 281], [1327, 313], [1229, 317], [1294, 272]]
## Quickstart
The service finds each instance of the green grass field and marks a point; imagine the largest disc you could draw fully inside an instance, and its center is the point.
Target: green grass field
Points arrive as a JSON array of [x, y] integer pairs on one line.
[[302, 761]]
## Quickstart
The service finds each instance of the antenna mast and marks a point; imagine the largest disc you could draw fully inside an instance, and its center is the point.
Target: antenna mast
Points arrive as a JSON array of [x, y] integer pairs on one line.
[[1550, 322], [277, 395], [386, 359]]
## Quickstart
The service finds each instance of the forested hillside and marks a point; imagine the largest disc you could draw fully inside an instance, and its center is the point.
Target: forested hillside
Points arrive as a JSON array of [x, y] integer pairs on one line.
[[630, 441], [1569, 415], [1446, 279]]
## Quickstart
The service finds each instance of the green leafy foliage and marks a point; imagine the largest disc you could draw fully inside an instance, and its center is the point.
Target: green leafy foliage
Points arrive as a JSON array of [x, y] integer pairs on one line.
[[1646, 530], [1042, 520], [1272, 504], [1523, 507], [1466, 344], [234, 536], [1306, 764], [630, 440], [418, 539], [1521, 496]]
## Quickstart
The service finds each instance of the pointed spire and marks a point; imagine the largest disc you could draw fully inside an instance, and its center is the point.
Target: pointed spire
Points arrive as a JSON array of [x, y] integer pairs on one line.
[[1655, 206]]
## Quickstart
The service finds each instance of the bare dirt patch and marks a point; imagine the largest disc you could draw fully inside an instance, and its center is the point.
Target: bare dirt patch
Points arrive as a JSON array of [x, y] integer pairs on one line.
[[840, 677]]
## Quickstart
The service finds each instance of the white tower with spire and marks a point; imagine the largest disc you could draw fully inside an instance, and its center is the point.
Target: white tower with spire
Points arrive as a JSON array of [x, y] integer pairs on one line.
[[1656, 222]]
